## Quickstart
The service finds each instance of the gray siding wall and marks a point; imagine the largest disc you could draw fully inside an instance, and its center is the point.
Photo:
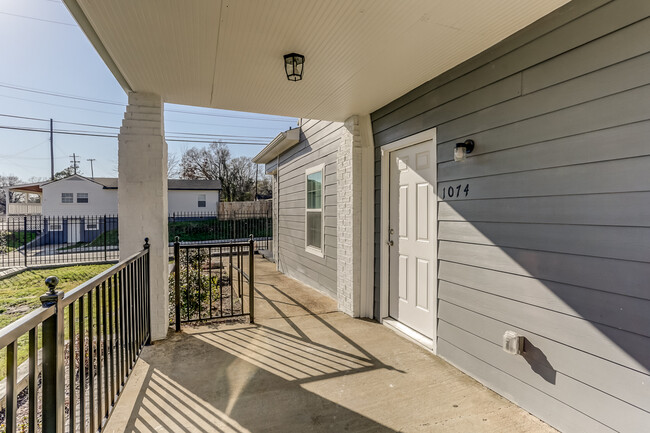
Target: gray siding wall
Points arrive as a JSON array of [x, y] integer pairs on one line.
[[318, 145], [553, 240]]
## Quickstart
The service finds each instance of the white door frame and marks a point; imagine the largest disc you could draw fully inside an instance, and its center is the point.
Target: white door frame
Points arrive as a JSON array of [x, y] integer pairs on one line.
[[384, 258]]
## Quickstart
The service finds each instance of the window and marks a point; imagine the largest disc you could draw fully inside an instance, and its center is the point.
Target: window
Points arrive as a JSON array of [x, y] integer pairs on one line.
[[201, 200], [67, 197], [92, 225], [314, 210], [82, 197], [56, 227]]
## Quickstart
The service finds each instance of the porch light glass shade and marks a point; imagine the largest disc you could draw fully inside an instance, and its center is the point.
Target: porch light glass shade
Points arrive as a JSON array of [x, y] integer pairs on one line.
[[293, 66], [460, 153], [462, 149]]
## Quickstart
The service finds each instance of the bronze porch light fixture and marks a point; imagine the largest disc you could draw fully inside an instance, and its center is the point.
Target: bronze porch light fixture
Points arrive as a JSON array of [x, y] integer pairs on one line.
[[293, 66]]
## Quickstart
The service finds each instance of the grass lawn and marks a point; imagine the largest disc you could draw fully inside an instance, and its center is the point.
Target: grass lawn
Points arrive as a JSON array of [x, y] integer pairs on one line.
[[111, 237], [18, 239], [20, 294]]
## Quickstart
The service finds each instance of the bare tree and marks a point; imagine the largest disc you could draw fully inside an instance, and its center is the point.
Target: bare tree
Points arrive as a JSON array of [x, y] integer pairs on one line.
[[237, 175], [173, 166]]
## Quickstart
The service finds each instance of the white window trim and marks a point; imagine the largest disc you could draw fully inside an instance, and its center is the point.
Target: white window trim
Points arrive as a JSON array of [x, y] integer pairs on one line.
[[94, 223], [205, 200], [320, 252], [87, 198], [59, 225], [70, 202]]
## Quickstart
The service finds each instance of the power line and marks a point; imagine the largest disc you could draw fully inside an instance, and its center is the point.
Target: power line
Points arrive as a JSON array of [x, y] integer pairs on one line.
[[60, 95], [117, 128], [228, 116], [61, 105], [25, 151], [101, 101], [220, 124], [38, 19], [172, 139]]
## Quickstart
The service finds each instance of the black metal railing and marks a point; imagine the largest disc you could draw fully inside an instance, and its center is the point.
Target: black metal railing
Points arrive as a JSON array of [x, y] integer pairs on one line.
[[210, 281], [91, 338]]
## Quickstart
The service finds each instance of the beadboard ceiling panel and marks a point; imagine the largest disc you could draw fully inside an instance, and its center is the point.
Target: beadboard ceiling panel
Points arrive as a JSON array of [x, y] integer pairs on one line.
[[359, 54]]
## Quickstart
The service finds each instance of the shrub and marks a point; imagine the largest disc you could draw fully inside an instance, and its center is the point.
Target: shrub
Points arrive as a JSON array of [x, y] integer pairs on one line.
[[196, 285]]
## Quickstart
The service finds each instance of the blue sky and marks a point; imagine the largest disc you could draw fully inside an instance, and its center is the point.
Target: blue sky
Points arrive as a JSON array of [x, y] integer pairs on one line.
[[43, 49]]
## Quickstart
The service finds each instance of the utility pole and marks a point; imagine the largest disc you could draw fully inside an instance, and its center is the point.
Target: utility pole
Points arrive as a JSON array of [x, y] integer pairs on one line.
[[51, 149], [92, 172], [75, 166]]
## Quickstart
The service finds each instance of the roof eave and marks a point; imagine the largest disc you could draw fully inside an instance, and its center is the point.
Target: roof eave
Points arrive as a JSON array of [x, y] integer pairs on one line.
[[280, 144]]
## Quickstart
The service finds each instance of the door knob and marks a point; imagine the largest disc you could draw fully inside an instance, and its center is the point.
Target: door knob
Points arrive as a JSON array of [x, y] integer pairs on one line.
[[390, 243]]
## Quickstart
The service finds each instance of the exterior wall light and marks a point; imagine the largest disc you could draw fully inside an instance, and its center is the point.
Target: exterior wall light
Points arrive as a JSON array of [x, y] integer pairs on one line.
[[462, 149], [293, 65]]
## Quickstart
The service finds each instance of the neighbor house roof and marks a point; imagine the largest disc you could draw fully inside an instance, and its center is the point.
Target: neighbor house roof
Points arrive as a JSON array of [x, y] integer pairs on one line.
[[193, 184], [172, 184], [26, 187]]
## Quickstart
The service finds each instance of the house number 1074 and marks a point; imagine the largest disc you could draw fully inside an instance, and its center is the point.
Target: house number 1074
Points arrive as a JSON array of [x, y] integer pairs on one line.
[[451, 192]]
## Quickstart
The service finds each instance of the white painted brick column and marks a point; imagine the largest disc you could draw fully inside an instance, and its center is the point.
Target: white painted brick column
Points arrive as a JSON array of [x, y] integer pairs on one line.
[[348, 218], [142, 196]]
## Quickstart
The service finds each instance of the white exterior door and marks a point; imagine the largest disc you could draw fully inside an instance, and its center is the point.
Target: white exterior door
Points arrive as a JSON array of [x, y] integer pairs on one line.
[[413, 238], [74, 230]]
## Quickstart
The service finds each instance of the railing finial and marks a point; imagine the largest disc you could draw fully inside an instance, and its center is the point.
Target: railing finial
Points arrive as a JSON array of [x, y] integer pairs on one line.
[[177, 239], [51, 297], [146, 243], [51, 282]]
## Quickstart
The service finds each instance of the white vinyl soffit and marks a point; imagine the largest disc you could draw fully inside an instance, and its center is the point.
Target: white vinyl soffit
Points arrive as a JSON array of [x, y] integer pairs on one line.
[[359, 55]]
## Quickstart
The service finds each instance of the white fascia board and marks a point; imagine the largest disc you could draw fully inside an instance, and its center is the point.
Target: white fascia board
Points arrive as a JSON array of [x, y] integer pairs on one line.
[[283, 142]]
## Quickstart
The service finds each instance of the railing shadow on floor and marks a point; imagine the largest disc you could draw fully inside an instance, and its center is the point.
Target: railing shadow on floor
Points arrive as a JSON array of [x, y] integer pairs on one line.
[[237, 384], [252, 377]]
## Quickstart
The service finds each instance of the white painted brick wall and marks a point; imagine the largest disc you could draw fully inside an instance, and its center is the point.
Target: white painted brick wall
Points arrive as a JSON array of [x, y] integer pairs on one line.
[[348, 217], [142, 197]]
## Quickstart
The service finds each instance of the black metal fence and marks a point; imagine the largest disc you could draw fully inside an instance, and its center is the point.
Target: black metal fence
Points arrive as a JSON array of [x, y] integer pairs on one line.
[[37, 239], [91, 338], [211, 281], [41, 240], [231, 227]]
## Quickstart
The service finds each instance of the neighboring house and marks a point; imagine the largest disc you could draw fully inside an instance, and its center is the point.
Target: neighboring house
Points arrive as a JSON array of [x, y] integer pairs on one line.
[[542, 229], [79, 209], [77, 195]]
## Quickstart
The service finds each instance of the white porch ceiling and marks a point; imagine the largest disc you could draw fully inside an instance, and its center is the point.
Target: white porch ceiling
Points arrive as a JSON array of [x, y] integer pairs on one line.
[[359, 54]]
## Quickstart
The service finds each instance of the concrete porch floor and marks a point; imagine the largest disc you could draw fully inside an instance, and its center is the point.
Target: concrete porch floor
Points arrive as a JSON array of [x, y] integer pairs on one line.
[[304, 367]]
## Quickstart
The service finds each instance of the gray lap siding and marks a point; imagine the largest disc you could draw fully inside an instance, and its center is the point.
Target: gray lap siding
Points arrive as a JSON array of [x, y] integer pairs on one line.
[[318, 145], [553, 239]]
